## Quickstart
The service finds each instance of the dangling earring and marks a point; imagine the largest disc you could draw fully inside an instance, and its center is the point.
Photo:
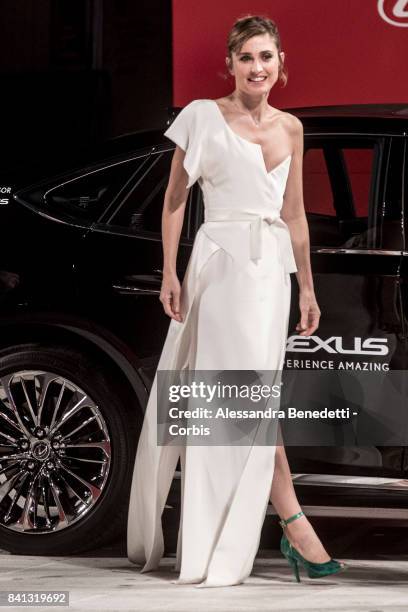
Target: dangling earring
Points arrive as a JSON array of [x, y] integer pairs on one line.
[[230, 75]]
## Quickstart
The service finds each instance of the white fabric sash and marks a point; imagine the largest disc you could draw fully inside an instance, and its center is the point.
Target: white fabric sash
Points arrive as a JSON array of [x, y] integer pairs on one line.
[[276, 224]]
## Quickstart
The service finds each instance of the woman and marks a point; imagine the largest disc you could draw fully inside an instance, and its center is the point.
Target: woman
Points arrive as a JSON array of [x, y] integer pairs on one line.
[[231, 313]]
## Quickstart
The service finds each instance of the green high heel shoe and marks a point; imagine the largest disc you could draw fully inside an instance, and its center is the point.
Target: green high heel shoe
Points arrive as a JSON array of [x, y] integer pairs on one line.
[[314, 570]]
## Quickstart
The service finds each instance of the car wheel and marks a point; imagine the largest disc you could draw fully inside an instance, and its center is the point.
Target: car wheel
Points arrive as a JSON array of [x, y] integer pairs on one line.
[[67, 446]]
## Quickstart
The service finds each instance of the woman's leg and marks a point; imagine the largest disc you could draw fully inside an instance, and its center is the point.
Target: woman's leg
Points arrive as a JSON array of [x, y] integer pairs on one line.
[[300, 532]]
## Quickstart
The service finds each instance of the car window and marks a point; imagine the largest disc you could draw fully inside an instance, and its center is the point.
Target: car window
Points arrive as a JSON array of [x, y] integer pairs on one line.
[[87, 196], [140, 210], [339, 180]]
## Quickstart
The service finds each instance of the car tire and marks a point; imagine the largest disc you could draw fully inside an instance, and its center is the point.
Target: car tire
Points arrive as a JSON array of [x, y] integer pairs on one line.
[[111, 417]]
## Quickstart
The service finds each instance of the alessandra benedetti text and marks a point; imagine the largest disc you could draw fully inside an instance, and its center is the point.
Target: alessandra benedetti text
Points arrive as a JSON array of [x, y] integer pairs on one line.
[[267, 413]]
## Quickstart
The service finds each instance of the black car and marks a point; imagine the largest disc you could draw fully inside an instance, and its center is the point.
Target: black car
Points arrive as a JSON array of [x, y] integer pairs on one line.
[[81, 325]]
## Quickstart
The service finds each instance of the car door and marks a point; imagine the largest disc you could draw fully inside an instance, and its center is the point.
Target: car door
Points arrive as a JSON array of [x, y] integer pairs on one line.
[[120, 267], [353, 199]]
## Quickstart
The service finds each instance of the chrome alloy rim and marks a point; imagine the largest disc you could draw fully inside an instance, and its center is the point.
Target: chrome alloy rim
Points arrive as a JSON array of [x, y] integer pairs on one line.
[[55, 452]]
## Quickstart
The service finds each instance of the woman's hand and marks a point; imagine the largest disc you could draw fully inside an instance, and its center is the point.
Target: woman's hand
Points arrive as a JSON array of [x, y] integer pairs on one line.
[[309, 314], [170, 296]]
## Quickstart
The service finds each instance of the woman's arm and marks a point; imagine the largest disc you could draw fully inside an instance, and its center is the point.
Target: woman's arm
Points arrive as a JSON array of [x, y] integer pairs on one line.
[[293, 213], [174, 206]]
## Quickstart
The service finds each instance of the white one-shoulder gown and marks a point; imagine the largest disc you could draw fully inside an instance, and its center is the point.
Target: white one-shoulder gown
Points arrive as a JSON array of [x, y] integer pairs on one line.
[[235, 304]]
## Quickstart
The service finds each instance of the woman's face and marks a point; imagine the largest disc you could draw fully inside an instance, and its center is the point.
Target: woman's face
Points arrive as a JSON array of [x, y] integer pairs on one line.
[[258, 57]]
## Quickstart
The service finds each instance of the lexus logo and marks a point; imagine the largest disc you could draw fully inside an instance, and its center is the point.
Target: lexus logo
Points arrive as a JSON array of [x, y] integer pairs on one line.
[[335, 344], [41, 451], [394, 12]]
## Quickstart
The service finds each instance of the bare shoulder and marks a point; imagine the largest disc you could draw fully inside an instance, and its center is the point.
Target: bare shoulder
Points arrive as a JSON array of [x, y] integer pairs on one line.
[[294, 128], [292, 123]]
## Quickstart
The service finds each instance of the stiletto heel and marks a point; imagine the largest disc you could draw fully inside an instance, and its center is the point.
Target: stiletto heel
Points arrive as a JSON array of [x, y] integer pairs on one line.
[[296, 570], [293, 556], [294, 565]]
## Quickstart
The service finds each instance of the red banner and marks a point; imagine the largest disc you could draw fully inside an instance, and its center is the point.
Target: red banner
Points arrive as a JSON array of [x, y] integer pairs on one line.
[[336, 51]]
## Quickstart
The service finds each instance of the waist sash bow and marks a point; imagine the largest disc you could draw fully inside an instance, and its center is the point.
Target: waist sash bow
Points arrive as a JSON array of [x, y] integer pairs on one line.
[[256, 219]]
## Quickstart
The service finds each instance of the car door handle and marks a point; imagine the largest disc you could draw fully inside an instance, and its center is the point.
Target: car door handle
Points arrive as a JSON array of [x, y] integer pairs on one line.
[[324, 250], [358, 251], [139, 284]]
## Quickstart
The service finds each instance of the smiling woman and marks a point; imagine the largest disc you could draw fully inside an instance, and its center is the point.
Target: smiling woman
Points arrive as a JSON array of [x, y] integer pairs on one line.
[[245, 155]]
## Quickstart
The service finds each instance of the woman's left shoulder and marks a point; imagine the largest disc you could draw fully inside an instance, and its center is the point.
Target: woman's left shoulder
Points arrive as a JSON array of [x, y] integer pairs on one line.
[[291, 122]]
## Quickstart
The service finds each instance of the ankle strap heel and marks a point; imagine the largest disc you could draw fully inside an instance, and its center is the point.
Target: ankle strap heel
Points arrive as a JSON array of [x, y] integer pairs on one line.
[[284, 522], [293, 556]]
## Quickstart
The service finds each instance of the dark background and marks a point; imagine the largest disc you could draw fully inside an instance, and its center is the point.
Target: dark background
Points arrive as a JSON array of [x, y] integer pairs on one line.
[[76, 72]]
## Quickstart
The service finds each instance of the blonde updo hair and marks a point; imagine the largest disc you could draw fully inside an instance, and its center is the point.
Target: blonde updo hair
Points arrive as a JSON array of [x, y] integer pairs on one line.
[[255, 25]]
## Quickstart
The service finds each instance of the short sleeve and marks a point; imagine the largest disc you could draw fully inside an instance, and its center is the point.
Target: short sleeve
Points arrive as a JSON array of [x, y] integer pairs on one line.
[[185, 132]]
